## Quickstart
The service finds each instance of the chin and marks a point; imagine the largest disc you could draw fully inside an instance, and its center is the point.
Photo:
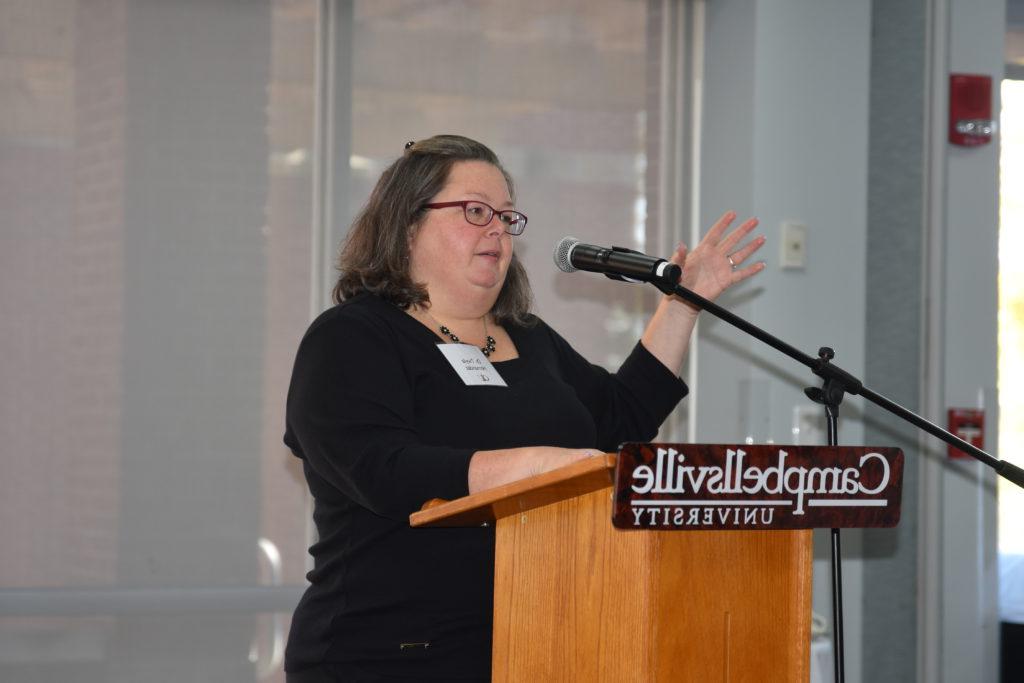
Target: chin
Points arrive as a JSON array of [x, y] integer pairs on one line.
[[490, 281], [489, 285]]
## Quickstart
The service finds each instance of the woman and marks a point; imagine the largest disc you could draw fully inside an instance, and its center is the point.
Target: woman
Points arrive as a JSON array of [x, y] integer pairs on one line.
[[384, 421]]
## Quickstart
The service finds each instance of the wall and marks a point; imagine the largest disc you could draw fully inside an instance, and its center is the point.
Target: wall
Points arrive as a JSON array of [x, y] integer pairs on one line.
[[786, 139], [965, 371]]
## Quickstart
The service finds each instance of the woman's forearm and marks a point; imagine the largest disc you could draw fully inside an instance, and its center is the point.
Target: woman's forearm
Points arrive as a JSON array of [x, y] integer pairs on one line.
[[488, 469]]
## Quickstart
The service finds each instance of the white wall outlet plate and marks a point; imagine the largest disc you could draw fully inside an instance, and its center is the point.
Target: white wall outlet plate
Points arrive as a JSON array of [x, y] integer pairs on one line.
[[793, 246]]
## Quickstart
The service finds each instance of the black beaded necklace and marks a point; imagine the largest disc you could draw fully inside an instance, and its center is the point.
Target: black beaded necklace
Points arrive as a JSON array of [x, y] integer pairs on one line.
[[487, 349]]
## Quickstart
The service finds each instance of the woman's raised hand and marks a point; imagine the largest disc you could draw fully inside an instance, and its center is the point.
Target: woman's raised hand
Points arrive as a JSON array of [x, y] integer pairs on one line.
[[717, 262]]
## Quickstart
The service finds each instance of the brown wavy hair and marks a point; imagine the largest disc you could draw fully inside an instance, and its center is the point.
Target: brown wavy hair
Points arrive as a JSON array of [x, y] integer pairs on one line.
[[375, 255]]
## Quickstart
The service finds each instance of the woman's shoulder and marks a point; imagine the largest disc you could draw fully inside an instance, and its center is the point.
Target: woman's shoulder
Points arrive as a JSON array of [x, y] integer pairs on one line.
[[362, 315], [534, 327], [538, 337], [530, 323]]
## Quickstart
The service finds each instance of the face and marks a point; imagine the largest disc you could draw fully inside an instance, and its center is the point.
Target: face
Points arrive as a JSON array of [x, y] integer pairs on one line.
[[452, 256]]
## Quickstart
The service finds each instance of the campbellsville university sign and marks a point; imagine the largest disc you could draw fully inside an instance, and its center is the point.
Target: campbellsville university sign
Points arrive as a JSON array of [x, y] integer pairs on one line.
[[712, 486]]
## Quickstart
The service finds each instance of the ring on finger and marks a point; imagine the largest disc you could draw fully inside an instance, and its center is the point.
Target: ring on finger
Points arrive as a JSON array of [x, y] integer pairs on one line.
[[731, 262]]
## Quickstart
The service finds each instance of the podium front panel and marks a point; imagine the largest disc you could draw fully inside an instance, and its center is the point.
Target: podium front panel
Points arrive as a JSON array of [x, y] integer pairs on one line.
[[578, 600]]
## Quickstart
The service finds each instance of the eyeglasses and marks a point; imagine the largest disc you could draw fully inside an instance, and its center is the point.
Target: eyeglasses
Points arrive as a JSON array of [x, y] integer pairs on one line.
[[479, 213]]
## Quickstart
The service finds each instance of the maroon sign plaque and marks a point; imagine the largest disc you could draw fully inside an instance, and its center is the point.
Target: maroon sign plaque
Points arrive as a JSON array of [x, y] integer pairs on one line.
[[700, 487]]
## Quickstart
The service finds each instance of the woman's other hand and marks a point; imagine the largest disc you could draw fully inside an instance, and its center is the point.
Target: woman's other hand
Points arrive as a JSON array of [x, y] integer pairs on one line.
[[488, 469]]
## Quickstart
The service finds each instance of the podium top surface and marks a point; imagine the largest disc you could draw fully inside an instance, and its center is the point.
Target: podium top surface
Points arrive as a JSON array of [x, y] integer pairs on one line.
[[578, 478]]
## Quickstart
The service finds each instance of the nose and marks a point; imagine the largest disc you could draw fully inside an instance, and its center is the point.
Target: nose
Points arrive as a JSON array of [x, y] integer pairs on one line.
[[494, 227]]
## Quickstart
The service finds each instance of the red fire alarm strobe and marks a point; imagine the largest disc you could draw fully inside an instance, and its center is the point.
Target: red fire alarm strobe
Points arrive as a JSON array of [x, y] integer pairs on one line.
[[969, 425], [970, 110]]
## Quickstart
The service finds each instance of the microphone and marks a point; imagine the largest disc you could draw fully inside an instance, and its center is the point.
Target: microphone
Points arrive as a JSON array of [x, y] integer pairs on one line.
[[618, 263]]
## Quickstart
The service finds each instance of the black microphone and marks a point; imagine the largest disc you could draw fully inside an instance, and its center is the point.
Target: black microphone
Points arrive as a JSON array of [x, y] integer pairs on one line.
[[618, 263]]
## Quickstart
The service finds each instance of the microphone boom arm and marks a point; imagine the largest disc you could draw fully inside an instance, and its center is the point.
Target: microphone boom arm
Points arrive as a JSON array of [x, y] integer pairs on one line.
[[840, 381]]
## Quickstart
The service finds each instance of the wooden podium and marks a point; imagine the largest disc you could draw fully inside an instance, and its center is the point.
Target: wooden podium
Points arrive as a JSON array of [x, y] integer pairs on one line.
[[576, 599]]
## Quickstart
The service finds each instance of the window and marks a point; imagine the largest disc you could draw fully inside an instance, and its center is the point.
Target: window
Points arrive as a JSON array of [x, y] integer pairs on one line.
[[157, 263]]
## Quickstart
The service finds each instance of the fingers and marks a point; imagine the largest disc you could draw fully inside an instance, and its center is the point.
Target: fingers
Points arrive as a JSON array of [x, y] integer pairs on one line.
[[737, 235], [718, 229], [727, 242], [744, 252], [718, 261], [743, 273]]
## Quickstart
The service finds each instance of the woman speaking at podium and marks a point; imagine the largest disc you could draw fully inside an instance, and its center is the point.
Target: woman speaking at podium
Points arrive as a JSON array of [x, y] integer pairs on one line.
[[430, 378]]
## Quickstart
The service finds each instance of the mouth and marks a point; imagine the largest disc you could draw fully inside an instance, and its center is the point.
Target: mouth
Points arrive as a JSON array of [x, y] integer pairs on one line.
[[490, 253]]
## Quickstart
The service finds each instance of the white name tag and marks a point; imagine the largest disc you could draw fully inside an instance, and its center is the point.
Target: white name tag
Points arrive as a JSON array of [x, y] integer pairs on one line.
[[471, 365]]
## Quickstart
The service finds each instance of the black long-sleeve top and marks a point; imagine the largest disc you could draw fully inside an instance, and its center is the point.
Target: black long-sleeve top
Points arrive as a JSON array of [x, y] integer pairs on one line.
[[383, 424]]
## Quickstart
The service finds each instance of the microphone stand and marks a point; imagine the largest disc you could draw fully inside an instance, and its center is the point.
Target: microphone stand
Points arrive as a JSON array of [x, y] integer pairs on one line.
[[831, 395], [836, 383]]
